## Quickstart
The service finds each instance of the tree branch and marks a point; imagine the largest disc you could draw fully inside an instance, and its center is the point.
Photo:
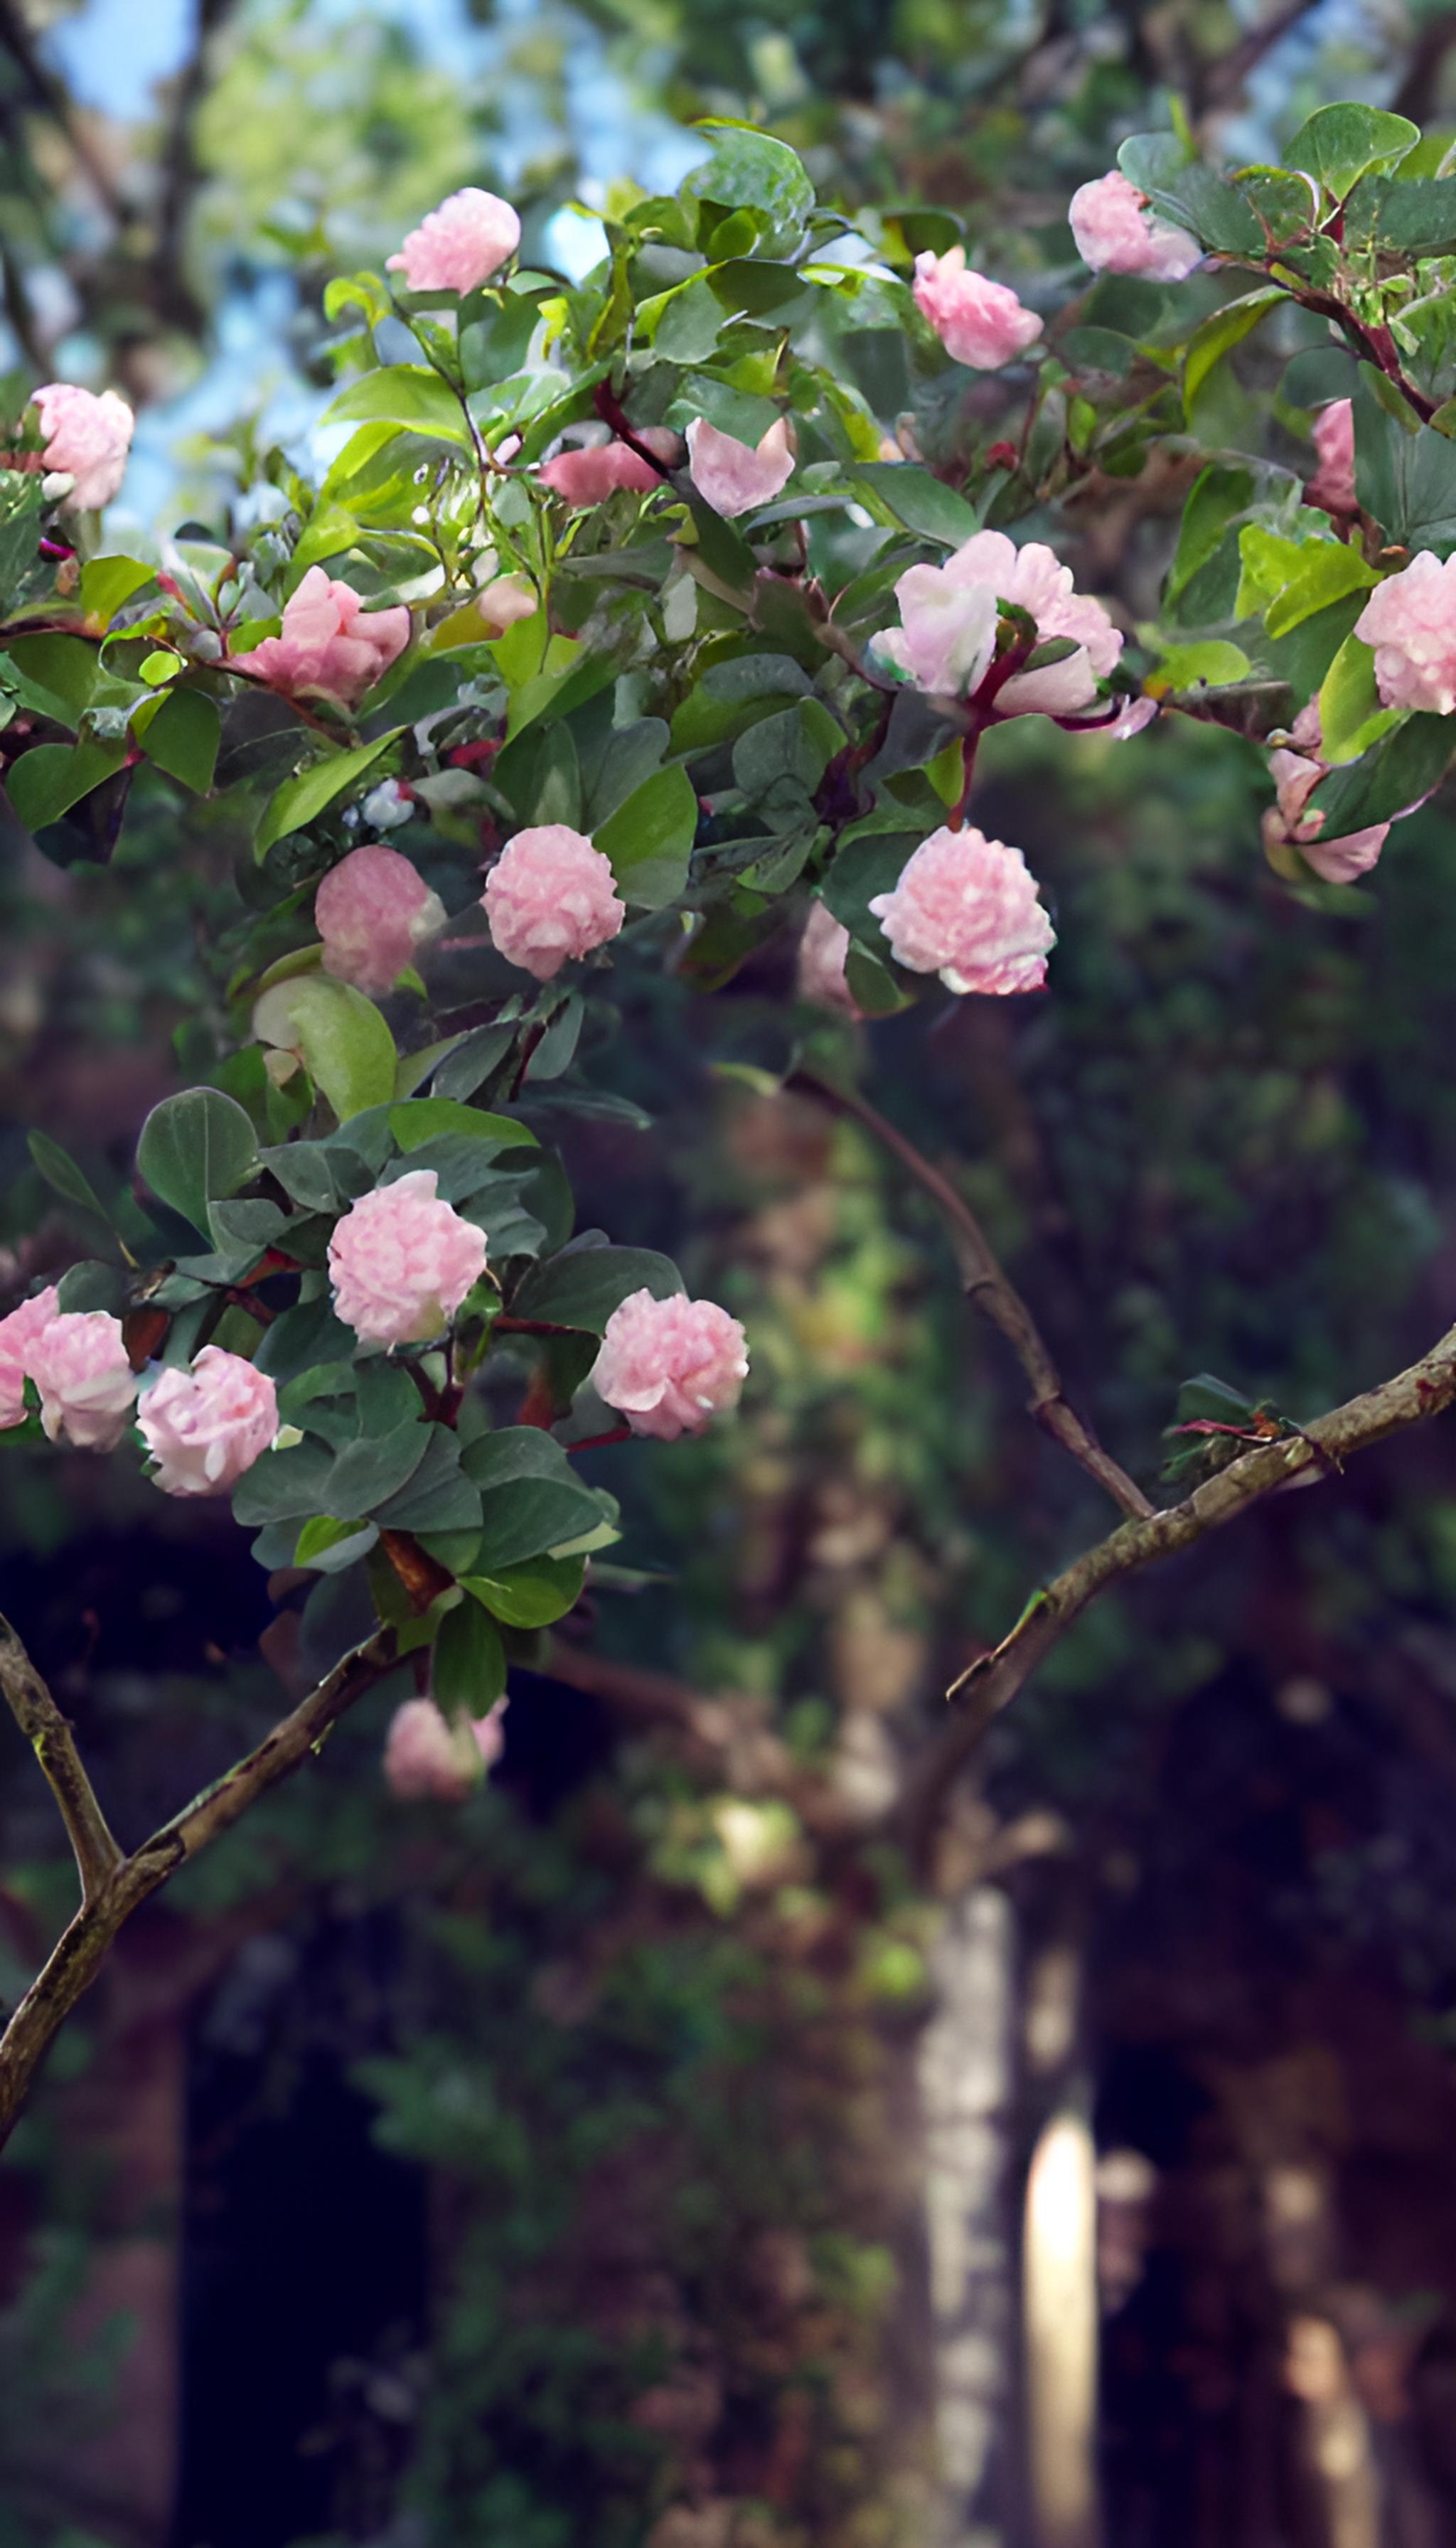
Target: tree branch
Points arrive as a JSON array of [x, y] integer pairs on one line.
[[1423, 1390], [50, 94], [180, 173], [129, 1882], [987, 1286], [50, 1736]]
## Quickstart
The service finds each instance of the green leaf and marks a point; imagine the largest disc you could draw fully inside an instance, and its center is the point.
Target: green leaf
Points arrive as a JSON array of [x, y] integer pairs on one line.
[[109, 582], [347, 1047], [1289, 580], [1328, 570], [405, 394], [301, 800], [752, 170], [1217, 496], [1387, 781], [22, 509], [533, 1596], [368, 1472], [1339, 142], [780, 761], [528, 1513], [196, 1149], [1211, 659], [583, 1285], [468, 1664], [911, 495], [46, 781], [1218, 214], [424, 1119], [1404, 215], [1407, 481], [181, 734], [60, 1171], [1351, 717], [1210, 1400], [1218, 336], [330, 1544], [649, 839], [63, 671], [439, 1497], [283, 1486]]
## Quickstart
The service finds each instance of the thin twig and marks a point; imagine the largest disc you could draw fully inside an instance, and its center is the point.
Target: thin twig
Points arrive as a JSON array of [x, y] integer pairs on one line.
[[1423, 1390], [129, 1882], [97, 1854], [986, 1284]]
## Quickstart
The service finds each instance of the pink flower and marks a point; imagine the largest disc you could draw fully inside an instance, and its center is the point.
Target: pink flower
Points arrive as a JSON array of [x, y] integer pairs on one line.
[[1410, 622], [669, 1365], [328, 643], [1117, 233], [18, 1333], [78, 1363], [507, 599], [1296, 776], [550, 898], [822, 951], [87, 438], [590, 476], [372, 912], [1134, 714], [427, 1755], [401, 1261], [734, 477], [205, 1426], [947, 639], [1332, 485], [460, 245], [967, 908], [979, 322]]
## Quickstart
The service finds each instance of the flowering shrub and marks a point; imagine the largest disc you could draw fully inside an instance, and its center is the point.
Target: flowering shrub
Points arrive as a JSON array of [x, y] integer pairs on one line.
[[656, 618]]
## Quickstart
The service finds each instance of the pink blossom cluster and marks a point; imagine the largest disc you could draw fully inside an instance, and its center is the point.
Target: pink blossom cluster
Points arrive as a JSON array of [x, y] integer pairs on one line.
[[1117, 232], [551, 899], [979, 322], [87, 440], [460, 245], [735, 477], [1332, 485], [669, 1365], [430, 1755], [588, 476], [1410, 622], [330, 645], [205, 1425], [18, 1333], [946, 640], [373, 912], [967, 908], [79, 1364], [402, 1260]]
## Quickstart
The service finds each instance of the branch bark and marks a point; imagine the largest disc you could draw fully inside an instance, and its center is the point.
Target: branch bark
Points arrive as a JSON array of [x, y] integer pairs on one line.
[[113, 1885], [51, 96], [49, 1733], [987, 1286], [1425, 1389]]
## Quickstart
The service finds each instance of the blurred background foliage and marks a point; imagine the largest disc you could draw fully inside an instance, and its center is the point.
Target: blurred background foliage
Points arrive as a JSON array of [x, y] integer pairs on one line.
[[546, 2172]]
